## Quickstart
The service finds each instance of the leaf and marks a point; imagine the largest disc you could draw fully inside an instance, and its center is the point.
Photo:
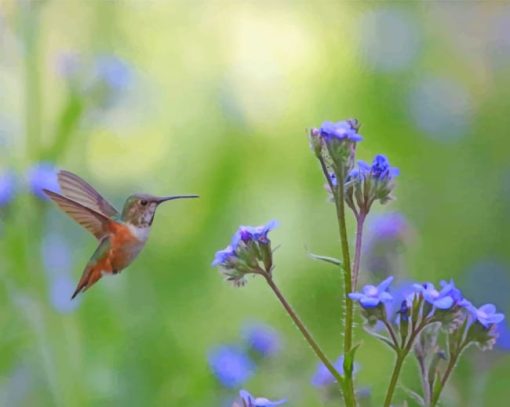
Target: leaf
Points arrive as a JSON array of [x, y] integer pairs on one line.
[[415, 396], [326, 259], [382, 338], [349, 360]]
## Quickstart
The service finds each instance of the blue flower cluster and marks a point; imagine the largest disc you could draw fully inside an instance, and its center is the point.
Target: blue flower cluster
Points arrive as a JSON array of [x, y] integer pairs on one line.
[[249, 252], [427, 304], [368, 183]]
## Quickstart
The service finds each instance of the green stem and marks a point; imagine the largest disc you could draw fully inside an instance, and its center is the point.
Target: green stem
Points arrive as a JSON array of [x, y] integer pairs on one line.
[[394, 377], [401, 355], [360, 220], [301, 326], [350, 398], [446, 375]]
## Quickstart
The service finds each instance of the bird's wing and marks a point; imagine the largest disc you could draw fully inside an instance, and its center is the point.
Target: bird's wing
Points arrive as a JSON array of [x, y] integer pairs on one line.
[[78, 190], [93, 221], [92, 273]]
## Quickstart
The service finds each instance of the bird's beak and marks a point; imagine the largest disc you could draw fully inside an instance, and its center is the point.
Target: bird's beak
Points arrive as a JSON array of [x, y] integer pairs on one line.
[[169, 198]]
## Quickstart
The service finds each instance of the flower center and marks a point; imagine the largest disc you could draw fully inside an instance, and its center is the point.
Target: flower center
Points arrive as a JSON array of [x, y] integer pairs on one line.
[[372, 291]]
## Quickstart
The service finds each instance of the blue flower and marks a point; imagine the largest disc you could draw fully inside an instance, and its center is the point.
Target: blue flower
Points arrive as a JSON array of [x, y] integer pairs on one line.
[[381, 168], [371, 296], [250, 401], [343, 130], [485, 315], [113, 71], [262, 338], [231, 366], [43, 176], [443, 299], [7, 187], [255, 233], [248, 253], [323, 377]]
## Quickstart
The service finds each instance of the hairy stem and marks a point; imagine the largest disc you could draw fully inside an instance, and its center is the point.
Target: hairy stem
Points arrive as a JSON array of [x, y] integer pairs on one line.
[[401, 355], [449, 369], [350, 398], [394, 378], [307, 335], [360, 220]]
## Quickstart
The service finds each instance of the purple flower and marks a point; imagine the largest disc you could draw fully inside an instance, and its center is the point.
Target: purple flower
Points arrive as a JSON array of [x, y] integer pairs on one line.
[[262, 338], [231, 366], [248, 252], [323, 377], [255, 233], [223, 256], [381, 168], [371, 295], [249, 401], [344, 130], [61, 286], [113, 71], [389, 226], [41, 176], [485, 315], [443, 299], [360, 172], [7, 187]]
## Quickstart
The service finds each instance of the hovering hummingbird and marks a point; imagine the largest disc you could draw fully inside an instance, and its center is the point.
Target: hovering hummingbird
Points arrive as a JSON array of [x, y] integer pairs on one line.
[[121, 235]]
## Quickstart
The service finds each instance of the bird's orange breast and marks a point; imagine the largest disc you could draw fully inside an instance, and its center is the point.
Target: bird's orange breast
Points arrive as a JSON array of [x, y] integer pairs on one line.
[[125, 246]]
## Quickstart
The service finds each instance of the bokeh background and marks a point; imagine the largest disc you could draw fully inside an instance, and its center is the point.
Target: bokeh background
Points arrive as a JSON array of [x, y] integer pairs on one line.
[[215, 98]]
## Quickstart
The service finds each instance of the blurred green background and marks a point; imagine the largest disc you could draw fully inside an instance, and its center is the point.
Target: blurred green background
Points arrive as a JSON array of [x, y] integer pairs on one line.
[[214, 98]]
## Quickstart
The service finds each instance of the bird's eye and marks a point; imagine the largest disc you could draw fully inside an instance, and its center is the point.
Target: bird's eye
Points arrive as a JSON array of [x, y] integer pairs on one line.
[[143, 202]]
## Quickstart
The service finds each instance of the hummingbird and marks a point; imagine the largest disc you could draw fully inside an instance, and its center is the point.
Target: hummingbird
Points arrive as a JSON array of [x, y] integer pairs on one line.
[[121, 235]]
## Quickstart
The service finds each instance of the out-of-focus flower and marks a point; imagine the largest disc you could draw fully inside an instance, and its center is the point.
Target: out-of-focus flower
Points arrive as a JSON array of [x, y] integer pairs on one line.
[[390, 39], [248, 253], [43, 176], [442, 108], [56, 254], [247, 400], [7, 187], [386, 238], [371, 296], [113, 71], [323, 377], [231, 366], [443, 299], [60, 287], [262, 338], [68, 65]]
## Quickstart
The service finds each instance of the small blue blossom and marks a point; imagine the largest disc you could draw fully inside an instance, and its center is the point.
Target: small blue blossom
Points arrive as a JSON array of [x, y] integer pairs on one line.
[[249, 401], [381, 168], [323, 377], [371, 295], [255, 233], [262, 338], [443, 299], [249, 252], [7, 187], [343, 130], [113, 71], [485, 315], [43, 176], [231, 366]]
